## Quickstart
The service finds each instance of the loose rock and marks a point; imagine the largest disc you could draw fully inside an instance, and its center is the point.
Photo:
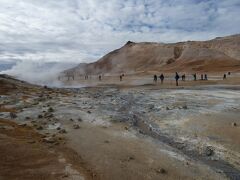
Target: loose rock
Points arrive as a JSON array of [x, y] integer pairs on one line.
[[161, 171], [76, 126], [62, 131]]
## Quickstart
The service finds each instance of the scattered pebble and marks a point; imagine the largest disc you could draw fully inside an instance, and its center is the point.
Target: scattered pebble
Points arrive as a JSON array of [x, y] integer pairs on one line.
[[130, 158], [208, 151], [40, 116], [62, 131], [50, 109], [161, 171], [76, 126], [39, 128], [49, 140]]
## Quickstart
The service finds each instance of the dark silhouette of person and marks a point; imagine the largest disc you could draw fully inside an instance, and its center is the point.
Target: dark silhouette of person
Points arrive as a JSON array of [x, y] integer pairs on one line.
[[121, 76], [177, 78], [155, 78], [195, 76], [229, 73], [205, 77], [224, 76], [99, 77], [183, 77], [201, 76], [161, 78]]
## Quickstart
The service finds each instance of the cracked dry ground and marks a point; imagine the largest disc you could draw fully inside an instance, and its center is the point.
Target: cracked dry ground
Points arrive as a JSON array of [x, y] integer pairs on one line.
[[119, 133]]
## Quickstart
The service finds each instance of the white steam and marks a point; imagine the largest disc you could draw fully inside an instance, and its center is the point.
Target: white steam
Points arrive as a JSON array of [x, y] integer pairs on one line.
[[41, 73]]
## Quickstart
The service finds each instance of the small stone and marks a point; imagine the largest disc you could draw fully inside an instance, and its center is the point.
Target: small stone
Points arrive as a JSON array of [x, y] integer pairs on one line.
[[76, 126], [161, 171], [40, 116], [50, 109], [167, 108], [185, 107], [126, 128], [234, 124], [151, 106], [140, 131], [130, 158], [208, 151], [48, 115], [27, 118], [49, 140], [31, 142], [58, 128], [106, 141], [62, 131], [80, 119], [71, 119], [23, 125], [39, 128], [65, 176], [89, 112]]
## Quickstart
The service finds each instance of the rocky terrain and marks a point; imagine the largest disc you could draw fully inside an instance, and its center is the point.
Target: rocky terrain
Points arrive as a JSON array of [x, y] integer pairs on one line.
[[217, 55], [119, 132]]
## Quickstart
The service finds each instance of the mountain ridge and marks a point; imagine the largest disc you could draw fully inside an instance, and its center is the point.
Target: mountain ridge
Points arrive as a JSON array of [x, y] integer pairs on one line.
[[218, 54]]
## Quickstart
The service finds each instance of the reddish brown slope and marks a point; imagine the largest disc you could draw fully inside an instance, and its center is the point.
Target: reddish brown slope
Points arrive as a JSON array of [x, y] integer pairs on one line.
[[220, 54]]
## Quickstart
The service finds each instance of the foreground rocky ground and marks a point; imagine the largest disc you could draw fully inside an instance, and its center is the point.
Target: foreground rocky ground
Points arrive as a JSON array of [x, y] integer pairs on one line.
[[119, 132]]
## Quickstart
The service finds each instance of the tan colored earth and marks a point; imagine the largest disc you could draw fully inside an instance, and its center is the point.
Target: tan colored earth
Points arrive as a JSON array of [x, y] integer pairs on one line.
[[98, 132]]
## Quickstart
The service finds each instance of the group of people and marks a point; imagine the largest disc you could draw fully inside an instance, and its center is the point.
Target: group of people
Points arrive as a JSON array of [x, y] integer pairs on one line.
[[203, 77], [177, 77], [161, 77], [120, 77]]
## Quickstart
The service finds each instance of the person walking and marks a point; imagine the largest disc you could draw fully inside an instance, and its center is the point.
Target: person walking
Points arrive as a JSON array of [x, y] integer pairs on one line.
[[161, 78], [155, 78], [176, 78], [183, 77]]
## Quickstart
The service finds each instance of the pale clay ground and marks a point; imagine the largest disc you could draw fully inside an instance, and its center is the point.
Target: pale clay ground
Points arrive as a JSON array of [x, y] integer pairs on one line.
[[113, 144]]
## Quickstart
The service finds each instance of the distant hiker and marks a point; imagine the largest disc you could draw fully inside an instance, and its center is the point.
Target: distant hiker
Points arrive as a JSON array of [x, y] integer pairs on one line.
[[121, 77], [177, 78], [99, 77], [155, 78], [195, 76], [224, 76], [183, 77], [162, 78], [201, 76], [205, 77], [229, 73]]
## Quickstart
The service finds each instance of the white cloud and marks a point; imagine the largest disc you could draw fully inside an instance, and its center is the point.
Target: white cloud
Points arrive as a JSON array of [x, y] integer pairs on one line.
[[84, 30]]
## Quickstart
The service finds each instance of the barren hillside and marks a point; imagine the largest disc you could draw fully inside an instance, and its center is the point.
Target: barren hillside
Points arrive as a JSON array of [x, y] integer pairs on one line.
[[219, 54]]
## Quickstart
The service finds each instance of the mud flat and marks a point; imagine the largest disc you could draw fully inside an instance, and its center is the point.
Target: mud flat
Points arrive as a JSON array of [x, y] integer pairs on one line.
[[120, 132]]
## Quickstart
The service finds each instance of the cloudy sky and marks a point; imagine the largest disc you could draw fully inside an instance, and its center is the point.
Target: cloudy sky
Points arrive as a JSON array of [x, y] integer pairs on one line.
[[84, 30]]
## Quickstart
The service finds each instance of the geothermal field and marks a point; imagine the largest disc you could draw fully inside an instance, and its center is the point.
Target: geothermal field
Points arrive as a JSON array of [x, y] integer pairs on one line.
[[130, 129]]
